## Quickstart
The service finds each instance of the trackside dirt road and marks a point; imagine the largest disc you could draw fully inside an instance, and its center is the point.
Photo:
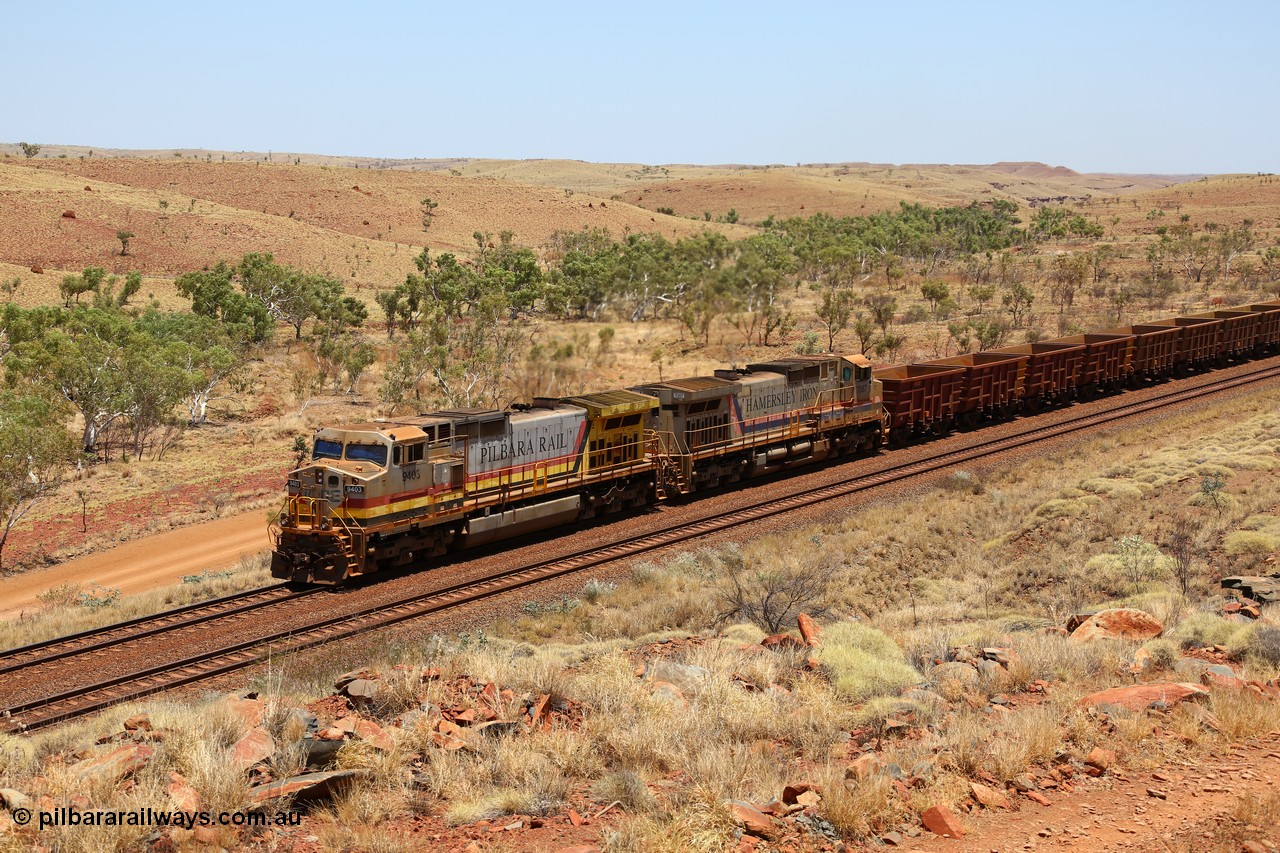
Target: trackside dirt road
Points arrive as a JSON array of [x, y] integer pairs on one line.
[[145, 564]]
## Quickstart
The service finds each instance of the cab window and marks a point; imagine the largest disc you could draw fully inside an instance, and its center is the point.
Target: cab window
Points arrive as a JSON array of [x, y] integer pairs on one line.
[[327, 449], [375, 453]]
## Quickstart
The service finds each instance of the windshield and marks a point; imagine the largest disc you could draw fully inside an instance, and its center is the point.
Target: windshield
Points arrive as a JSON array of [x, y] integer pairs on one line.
[[326, 449], [375, 453]]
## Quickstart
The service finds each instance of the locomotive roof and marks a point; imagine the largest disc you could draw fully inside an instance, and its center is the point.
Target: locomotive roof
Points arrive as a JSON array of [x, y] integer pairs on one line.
[[610, 403], [693, 384]]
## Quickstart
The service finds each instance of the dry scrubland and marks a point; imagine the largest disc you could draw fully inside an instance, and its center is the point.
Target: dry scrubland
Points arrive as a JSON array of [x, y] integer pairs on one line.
[[652, 693], [360, 221]]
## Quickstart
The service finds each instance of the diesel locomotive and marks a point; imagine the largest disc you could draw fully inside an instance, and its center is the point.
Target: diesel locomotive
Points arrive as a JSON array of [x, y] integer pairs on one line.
[[396, 492]]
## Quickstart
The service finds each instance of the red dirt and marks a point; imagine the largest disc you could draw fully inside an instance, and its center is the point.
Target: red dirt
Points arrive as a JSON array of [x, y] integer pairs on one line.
[[145, 564]]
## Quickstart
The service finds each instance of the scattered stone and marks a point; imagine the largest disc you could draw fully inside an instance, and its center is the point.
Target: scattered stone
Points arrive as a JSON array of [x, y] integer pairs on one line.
[[1219, 675], [863, 767], [37, 269], [1158, 794], [14, 799], [254, 747], [115, 764], [752, 817], [893, 839], [1023, 783], [683, 676], [1118, 623], [575, 818], [1101, 759], [1139, 697], [959, 675], [539, 708], [940, 821], [183, 795], [372, 734], [668, 692], [321, 753], [1037, 797], [498, 728], [778, 642], [989, 797], [1142, 661], [249, 709], [809, 631], [1264, 590], [362, 689], [307, 787], [138, 722], [68, 214]]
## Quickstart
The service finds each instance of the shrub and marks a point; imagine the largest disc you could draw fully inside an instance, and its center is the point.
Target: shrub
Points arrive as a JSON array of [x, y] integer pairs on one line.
[[1257, 642], [862, 662], [1163, 652], [1249, 542], [1205, 629]]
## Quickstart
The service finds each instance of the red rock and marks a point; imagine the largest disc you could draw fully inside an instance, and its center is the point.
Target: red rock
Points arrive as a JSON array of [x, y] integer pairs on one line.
[[752, 817], [863, 767], [809, 631], [539, 708], [777, 642], [1101, 758], [1038, 798], [138, 722], [308, 786], [37, 269], [467, 716], [183, 795], [1142, 661], [373, 734], [489, 693], [250, 711], [209, 835], [68, 214], [431, 674], [575, 818], [989, 797], [1219, 675], [940, 821], [115, 764], [448, 736], [1139, 697], [255, 746], [1118, 623]]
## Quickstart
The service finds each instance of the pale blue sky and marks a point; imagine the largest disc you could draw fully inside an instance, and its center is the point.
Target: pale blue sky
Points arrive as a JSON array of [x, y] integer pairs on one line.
[[1116, 86]]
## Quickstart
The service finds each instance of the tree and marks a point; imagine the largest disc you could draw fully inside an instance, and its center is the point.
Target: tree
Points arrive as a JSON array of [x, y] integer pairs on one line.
[[124, 237], [428, 212], [34, 451], [29, 150], [935, 292], [834, 313]]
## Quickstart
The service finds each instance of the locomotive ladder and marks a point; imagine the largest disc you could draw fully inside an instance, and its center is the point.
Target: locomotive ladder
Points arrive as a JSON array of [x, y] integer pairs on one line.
[[673, 471]]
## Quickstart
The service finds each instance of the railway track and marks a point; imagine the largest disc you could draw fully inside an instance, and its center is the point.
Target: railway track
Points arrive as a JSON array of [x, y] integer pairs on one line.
[[93, 697]]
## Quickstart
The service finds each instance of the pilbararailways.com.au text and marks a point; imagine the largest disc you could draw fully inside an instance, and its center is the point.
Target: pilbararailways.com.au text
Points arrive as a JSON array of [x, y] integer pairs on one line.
[[66, 816]]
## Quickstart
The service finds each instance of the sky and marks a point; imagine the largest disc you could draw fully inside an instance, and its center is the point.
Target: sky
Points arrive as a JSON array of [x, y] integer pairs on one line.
[[1148, 87]]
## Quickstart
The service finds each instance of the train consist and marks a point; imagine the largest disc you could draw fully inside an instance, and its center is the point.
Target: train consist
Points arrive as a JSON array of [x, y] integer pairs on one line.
[[399, 492]]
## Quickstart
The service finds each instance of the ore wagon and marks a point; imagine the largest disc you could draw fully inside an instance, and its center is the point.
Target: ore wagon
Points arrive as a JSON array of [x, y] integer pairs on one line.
[[992, 384], [1153, 349], [1239, 331], [1199, 344], [1105, 364], [1052, 370], [920, 398], [1268, 339]]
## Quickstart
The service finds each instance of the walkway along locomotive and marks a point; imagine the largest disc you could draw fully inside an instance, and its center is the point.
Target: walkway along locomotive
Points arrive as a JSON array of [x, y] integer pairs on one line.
[[399, 492]]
